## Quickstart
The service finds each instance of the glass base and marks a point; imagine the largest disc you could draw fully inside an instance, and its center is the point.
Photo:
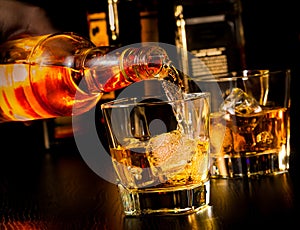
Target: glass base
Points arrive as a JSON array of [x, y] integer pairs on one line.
[[249, 165], [165, 201]]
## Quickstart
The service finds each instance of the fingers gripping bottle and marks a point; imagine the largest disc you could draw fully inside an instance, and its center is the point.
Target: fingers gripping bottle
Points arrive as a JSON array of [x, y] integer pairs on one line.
[[44, 76]]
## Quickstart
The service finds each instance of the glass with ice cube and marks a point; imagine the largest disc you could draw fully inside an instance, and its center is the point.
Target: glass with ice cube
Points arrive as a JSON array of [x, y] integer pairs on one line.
[[250, 123], [160, 152]]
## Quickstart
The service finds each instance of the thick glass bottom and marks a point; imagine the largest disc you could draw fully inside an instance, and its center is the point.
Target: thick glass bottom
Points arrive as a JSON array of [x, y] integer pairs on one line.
[[249, 165], [165, 201]]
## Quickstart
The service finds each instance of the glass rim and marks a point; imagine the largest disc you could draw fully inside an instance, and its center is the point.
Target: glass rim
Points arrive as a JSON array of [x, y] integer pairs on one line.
[[134, 101], [242, 74]]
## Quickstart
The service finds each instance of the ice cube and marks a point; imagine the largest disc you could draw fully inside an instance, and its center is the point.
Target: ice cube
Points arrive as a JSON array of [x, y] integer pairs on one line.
[[169, 153], [239, 102]]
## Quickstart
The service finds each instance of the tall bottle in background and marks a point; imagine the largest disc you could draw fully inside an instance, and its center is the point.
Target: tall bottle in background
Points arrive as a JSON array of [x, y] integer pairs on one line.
[[47, 76], [211, 30]]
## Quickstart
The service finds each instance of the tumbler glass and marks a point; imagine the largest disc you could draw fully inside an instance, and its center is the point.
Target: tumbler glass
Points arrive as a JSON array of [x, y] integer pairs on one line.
[[250, 123], [160, 152]]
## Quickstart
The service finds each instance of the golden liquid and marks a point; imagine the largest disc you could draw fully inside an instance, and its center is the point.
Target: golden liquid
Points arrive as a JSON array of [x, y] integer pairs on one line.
[[149, 176], [252, 144], [143, 166], [48, 92]]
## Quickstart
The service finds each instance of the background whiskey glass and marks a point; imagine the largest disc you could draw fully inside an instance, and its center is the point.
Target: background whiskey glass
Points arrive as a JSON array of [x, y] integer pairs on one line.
[[250, 123]]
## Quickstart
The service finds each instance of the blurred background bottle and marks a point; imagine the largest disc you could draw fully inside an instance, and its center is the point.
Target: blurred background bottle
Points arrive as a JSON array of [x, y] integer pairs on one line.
[[211, 30]]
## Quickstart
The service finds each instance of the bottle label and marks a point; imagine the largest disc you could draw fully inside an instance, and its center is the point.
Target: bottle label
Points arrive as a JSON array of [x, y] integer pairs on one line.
[[215, 59]]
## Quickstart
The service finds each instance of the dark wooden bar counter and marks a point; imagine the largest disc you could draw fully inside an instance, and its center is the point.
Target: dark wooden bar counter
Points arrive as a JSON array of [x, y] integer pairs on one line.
[[56, 190]]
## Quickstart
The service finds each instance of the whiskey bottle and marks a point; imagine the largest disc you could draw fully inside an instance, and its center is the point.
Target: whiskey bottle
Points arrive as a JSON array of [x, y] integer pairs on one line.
[[48, 76]]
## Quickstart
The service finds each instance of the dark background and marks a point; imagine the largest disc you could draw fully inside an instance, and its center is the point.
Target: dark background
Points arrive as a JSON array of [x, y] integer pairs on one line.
[[272, 41]]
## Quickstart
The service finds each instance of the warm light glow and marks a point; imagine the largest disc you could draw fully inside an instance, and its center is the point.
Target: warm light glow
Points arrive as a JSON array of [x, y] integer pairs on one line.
[[111, 16], [45, 92], [283, 158], [26, 225]]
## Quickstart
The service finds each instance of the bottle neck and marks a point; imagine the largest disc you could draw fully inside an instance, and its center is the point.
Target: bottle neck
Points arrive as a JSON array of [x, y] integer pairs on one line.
[[106, 69], [88, 58], [144, 63]]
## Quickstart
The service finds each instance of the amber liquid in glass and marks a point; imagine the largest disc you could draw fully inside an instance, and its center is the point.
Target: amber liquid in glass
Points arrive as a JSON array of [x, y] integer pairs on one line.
[[252, 145], [160, 181]]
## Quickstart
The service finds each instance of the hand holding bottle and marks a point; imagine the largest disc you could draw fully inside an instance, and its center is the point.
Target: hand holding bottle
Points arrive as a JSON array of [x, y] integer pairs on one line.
[[18, 19]]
